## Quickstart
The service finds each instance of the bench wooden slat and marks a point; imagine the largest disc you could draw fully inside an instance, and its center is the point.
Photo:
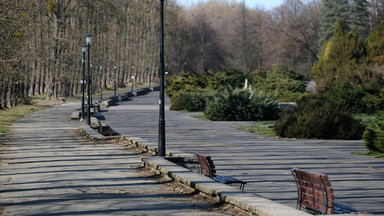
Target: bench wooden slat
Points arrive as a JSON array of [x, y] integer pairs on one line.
[[315, 193], [105, 129], [207, 168]]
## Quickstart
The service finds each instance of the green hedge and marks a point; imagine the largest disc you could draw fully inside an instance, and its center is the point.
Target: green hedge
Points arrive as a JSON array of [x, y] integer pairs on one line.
[[196, 101], [374, 135], [320, 119], [241, 105]]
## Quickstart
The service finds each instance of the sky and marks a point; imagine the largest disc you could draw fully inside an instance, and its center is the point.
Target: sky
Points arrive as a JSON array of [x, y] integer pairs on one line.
[[263, 4]]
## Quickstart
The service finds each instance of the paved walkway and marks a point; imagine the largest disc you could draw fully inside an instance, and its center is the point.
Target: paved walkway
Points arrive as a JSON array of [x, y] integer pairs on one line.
[[264, 162], [47, 169]]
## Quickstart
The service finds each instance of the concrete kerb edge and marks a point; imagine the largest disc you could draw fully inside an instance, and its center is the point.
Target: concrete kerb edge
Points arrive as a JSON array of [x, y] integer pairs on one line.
[[93, 135], [246, 201]]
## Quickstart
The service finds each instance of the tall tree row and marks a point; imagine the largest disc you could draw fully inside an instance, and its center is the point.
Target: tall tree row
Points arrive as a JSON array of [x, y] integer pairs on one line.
[[41, 45], [41, 39], [12, 20]]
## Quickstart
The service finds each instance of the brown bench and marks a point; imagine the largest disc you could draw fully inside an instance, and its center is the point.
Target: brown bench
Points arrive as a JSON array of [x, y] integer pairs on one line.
[[207, 168], [315, 194], [104, 129]]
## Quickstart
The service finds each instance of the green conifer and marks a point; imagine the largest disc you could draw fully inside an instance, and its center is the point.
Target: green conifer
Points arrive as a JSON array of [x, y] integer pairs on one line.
[[359, 17], [340, 58], [332, 11], [375, 45]]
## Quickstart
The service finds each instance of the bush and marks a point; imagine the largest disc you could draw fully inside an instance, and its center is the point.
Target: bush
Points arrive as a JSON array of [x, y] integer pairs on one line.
[[264, 107], [176, 104], [374, 135], [195, 101], [374, 101], [241, 105], [351, 95], [281, 81], [319, 119], [185, 82]]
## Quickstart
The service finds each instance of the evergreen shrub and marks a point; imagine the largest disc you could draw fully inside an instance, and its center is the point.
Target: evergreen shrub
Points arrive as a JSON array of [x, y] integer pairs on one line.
[[350, 94], [319, 119], [374, 135], [176, 104], [195, 101], [241, 105]]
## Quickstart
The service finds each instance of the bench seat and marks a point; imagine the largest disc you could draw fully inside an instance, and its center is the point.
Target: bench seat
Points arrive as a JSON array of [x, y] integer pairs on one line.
[[229, 180], [315, 194], [105, 129], [208, 169]]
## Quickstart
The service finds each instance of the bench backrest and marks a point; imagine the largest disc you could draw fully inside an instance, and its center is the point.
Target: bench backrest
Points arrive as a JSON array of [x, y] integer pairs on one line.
[[314, 191], [207, 167]]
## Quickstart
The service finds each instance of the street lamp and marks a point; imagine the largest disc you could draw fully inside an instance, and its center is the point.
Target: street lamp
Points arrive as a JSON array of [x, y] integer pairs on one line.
[[161, 143], [132, 80], [88, 38], [101, 82], [84, 49], [149, 74], [132, 77], [91, 83], [185, 63], [115, 79]]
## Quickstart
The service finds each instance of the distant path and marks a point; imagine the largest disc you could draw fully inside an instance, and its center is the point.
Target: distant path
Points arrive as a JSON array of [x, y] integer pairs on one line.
[[264, 162], [49, 170]]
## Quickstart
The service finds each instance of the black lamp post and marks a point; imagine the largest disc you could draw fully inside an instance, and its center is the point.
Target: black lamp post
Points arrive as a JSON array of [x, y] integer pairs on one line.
[[88, 41], [161, 143], [101, 82], [132, 80], [91, 84], [132, 77], [149, 75], [115, 80], [84, 49]]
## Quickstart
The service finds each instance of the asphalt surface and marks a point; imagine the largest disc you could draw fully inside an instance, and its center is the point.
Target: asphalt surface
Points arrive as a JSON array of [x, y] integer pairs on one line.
[[265, 163], [48, 169]]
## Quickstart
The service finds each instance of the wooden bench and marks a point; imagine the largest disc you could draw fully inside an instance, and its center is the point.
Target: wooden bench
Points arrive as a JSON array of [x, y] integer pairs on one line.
[[105, 129], [315, 194], [207, 168]]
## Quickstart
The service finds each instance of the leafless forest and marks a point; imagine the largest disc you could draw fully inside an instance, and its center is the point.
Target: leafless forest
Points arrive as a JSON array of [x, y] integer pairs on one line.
[[41, 41]]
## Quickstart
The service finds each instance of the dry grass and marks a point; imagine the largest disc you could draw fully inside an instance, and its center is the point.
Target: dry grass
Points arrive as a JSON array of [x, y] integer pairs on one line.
[[8, 116]]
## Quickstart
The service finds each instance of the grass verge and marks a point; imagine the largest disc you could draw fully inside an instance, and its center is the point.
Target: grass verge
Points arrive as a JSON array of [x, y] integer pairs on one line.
[[264, 128], [200, 116], [8, 116], [371, 154]]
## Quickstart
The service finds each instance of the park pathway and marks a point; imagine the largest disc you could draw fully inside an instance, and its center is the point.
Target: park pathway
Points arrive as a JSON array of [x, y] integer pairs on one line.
[[264, 162], [48, 169]]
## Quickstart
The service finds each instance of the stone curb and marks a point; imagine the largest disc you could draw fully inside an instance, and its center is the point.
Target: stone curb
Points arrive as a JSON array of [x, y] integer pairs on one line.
[[94, 135]]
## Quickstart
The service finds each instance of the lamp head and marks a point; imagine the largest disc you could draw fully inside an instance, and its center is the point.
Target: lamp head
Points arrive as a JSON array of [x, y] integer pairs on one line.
[[84, 48], [88, 38]]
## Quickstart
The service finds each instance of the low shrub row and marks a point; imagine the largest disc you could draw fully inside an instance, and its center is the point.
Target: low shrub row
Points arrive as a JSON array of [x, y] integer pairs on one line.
[[241, 105], [319, 119], [228, 105], [374, 135]]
